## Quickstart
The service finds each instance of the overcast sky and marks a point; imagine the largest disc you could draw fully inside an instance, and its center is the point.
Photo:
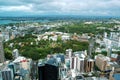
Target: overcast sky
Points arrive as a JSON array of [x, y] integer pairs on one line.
[[60, 7]]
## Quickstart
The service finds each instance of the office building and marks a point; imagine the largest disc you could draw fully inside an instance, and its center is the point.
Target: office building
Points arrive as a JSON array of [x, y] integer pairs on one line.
[[89, 65], [69, 52], [101, 62], [72, 60], [51, 71], [12, 67], [15, 53], [7, 74], [61, 56], [2, 59], [6, 36], [67, 63], [118, 59], [62, 73], [48, 70], [22, 67], [113, 40], [73, 63], [80, 65]]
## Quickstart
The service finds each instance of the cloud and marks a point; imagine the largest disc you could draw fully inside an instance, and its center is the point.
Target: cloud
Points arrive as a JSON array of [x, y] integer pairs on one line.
[[16, 8], [10, 2], [79, 7]]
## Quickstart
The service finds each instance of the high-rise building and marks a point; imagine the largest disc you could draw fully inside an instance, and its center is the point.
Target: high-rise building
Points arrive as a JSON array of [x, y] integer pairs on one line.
[[1, 76], [67, 62], [61, 56], [21, 66], [69, 52], [90, 48], [80, 65], [48, 70], [7, 74], [1, 50], [101, 62], [109, 51], [12, 67], [15, 53], [113, 40], [62, 73], [89, 65], [51, 71], [72, 60], [41, 71], [118, 59], [73, 63]]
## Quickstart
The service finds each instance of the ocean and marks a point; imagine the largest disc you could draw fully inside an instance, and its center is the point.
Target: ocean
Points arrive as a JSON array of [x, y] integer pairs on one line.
[[10, 21], [7, 21]]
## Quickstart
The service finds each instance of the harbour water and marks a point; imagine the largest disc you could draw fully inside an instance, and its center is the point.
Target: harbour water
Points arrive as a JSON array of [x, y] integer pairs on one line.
[[7, 21], [10, 21]]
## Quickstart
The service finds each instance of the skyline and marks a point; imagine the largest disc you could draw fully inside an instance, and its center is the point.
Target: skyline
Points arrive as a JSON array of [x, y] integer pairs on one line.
[[59, 7]]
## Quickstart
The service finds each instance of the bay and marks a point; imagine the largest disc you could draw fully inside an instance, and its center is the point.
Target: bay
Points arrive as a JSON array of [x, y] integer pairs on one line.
[[7, 21], [10, 21]]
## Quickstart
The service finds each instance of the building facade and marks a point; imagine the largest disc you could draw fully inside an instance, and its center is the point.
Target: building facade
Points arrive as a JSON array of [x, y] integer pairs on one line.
[[48, 70], [2, 59]]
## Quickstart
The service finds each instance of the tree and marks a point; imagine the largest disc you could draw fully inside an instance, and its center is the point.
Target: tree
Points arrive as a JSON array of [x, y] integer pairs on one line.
[[8, 54]]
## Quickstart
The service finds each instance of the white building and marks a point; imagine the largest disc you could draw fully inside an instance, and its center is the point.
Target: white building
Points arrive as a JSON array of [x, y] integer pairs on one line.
[[53, 38], [23, 66], [15, 53], [73, 63], [113, 41], [69, 52], [65, 37], [80, 65]]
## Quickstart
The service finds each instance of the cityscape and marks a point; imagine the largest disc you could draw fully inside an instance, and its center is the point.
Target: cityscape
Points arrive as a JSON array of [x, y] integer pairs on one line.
[[60, 40]]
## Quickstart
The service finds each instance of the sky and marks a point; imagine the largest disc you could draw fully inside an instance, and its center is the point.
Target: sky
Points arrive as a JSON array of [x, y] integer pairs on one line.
[[60, 7]]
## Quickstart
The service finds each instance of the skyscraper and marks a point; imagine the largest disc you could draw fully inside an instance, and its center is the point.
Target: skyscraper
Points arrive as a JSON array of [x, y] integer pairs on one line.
[[7, 74], [48, 70], [89, 65], [69, 52], [80, 65], [73, 63], [101, 62], [1, 50]]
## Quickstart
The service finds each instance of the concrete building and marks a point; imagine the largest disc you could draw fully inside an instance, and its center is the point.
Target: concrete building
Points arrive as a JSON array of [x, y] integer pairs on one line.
[[69, 52], [73, 63], [7, 74], [2, 59], [101, 61], [80, 65], [22, 67], [113, 40], [65, 37], [118, 59], [62, 73], [67, 63], [89, 65], [53, 38], [6, 36], [15, 53]]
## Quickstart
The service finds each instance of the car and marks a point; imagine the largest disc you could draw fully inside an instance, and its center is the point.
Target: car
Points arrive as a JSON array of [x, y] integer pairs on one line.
[[79, 77]]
